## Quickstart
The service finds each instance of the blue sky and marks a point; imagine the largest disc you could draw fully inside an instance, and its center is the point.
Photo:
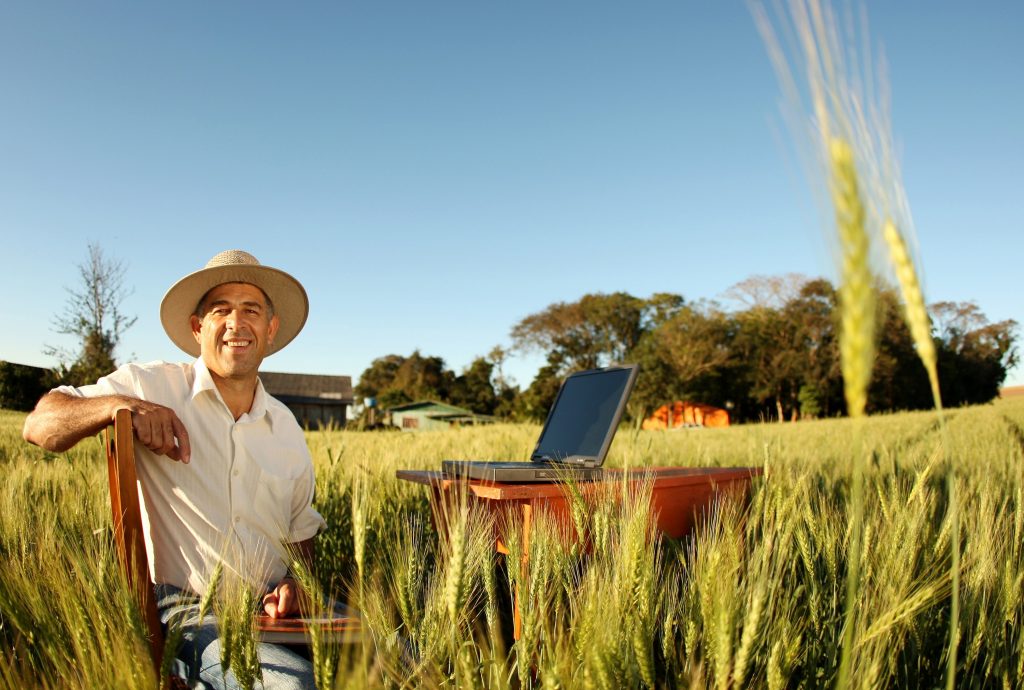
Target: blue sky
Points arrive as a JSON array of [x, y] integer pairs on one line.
[[434, 172]]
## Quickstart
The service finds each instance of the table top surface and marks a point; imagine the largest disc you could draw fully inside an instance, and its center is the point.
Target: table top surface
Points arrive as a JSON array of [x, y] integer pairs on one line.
[[660, 478]]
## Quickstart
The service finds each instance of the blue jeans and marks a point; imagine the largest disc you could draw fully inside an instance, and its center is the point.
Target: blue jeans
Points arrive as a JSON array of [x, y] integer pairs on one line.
[[198, 657]]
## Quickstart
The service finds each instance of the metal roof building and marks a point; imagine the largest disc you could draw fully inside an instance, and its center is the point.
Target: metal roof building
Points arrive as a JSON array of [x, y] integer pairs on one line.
[[430, 414], [316, 400]]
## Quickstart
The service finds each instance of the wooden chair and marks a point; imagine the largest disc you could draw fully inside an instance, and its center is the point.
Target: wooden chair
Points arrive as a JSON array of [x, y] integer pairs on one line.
[[131, 546], [342, 625]]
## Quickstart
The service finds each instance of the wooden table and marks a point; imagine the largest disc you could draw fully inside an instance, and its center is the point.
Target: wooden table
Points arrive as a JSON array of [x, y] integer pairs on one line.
[[680, 497]]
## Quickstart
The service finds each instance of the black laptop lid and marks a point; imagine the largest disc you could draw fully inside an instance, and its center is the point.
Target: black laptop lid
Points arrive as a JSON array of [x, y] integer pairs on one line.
[[585, 415]]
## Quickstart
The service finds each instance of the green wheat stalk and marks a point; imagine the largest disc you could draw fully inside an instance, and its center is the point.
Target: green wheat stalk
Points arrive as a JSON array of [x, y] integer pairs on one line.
[[916, 316], [857, 351]]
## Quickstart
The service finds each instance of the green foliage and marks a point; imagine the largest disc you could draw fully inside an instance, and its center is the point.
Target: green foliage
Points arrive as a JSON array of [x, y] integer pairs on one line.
[[21, 385], [594, 331], [775, 358], [765, 360], [473, 388], [810, 403], [536, 401], [395, 380], [93, 315], [974, 354]]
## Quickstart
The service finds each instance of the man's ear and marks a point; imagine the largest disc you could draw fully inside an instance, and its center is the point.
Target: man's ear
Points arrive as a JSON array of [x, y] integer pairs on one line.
[[197, 328], [272, 329]]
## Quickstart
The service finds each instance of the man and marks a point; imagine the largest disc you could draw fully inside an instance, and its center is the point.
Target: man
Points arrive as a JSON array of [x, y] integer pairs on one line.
[[225, 474]]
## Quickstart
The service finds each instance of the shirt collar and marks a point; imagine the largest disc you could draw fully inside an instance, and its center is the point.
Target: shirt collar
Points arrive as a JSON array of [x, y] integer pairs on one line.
[[259, 403], [204, 382]]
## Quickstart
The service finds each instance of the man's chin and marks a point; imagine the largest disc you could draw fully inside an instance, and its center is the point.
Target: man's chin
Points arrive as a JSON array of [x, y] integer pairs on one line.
[[238, 369]]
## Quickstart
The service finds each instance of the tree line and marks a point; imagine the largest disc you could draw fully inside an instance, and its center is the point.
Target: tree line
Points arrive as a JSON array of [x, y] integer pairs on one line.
[[772, 355]]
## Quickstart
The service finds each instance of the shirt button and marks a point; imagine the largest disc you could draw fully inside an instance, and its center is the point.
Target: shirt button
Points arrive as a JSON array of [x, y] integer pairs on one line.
[[235, 473], [237, 519]]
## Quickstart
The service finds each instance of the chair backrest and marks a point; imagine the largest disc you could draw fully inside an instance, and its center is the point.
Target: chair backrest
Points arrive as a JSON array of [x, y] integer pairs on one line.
[[124, 505]]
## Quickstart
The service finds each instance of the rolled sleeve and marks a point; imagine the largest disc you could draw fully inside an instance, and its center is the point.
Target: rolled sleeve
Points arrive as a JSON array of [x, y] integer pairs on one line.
[[121, 382]]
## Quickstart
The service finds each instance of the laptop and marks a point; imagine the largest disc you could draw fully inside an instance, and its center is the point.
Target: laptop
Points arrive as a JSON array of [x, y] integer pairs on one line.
[[576, 435]]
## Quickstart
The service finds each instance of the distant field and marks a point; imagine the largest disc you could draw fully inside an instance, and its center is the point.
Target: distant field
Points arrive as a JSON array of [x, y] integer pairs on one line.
[[752, 600], [1012, 392]]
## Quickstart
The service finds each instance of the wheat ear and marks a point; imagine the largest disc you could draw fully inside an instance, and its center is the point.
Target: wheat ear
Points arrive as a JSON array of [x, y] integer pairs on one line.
[[856, 294], [913, 304]]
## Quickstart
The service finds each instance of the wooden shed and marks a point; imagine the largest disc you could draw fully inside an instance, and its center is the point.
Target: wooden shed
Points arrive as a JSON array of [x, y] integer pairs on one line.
[[426, 415], [316, 400]]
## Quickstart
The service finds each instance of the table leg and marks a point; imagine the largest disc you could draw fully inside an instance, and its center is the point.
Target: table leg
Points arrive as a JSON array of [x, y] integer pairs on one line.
[[524, 569]]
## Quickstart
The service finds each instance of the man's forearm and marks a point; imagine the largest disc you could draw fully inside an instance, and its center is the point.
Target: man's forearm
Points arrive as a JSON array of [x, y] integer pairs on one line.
[[60, 421]]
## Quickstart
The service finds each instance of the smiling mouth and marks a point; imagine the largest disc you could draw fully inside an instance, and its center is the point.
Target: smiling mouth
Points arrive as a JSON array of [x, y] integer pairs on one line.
[[237, 343]]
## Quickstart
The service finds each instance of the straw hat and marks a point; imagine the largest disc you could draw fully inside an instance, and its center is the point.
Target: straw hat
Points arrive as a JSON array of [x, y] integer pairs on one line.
[[234, 266]]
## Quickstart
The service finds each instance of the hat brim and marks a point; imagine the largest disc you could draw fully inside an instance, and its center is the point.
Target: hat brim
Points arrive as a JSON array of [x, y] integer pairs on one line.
[[291, 305]]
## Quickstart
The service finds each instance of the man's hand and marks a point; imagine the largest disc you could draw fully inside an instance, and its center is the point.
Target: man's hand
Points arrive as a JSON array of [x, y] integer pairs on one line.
[[159, 429], [284, 600]]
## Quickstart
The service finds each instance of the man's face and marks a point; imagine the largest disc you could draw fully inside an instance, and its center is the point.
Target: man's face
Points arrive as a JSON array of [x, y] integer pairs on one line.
[[235, 330]]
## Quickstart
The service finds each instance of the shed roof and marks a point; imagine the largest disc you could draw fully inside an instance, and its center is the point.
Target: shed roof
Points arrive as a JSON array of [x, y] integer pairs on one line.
[[461, 417], [320, 386], [431, 405]]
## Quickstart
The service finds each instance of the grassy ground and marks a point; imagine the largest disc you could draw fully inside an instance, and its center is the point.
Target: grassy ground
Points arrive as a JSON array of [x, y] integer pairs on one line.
[[754, 599]]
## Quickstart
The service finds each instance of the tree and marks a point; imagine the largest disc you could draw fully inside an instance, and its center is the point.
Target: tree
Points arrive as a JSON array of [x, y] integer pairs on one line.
[[974, 355], [422, 377], [683, 358], [505, 391], [378, 378], [396, 380], [661, 307], [596, 331], [695, 341], [481, 387], [813, 312], [21, 386], [93, 315], [767, 291], [768, 345], [473, 388], [771, 346], [538, 398], [899, 380]]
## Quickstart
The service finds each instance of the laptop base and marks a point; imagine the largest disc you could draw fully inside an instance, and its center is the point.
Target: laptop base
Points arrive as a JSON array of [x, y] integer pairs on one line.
[[518, 472]]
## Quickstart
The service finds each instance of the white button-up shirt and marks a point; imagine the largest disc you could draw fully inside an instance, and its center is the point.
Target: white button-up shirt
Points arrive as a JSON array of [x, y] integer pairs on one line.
[[245, 494]]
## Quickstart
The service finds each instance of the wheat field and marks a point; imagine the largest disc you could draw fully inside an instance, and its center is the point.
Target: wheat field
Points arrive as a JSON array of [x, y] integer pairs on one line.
[[755, 598]]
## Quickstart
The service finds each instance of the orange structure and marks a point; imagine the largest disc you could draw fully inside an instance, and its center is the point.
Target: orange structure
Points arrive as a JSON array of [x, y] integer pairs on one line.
[[680, 413]]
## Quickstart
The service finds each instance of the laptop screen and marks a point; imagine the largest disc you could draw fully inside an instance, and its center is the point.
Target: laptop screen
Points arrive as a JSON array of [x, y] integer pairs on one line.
[[585, 413]]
